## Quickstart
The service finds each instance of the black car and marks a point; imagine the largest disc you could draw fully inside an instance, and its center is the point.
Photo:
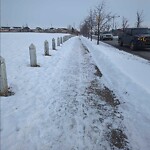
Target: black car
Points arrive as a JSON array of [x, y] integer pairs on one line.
[[136, 38]]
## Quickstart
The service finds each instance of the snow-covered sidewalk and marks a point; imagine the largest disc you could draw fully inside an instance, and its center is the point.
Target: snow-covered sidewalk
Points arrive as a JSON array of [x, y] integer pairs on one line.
[[78, 99]]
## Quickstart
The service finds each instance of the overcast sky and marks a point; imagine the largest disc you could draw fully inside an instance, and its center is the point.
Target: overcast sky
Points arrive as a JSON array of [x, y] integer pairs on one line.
[[61, 13]]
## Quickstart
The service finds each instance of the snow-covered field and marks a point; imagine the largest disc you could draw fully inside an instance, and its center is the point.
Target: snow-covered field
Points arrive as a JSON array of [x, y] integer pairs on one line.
[[53, 106]]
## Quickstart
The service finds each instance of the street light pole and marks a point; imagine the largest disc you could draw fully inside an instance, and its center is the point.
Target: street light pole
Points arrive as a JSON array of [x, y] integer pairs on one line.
[[114, 20]]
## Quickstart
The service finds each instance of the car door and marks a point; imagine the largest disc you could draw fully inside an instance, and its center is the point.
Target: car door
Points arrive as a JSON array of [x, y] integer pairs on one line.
[[128, 37]]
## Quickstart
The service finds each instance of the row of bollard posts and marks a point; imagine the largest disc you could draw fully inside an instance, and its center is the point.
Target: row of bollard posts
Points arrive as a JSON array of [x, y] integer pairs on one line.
[[32, 50], [33, 61]]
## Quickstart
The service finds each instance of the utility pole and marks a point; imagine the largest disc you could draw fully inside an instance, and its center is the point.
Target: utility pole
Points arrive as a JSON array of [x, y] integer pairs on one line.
[[113, 17]]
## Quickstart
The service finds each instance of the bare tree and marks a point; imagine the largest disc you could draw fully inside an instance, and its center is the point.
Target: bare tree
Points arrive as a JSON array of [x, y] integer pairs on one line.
[[107, 27], [116, 25], [87, 27], [91, 22], [102, 19], [139, 19], [125, 23], [97, 21], [84, 28], [69, 28]]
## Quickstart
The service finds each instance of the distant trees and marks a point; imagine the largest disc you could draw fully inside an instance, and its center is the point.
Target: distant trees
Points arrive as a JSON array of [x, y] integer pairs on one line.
[[139, 19], [125, 23], [98, 20], [138, 23], [69, 28], [84, 28], [103, 19], [88, 25], [107, 27], [91, 22]]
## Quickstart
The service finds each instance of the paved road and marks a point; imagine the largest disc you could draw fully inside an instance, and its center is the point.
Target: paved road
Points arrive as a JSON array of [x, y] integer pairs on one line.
[[142, 53]]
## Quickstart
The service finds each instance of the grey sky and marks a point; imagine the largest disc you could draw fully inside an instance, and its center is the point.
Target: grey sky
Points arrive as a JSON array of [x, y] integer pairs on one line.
[[61, 13]]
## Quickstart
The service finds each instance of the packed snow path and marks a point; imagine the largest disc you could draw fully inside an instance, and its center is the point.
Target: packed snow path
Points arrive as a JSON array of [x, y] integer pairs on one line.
[[63, 107]]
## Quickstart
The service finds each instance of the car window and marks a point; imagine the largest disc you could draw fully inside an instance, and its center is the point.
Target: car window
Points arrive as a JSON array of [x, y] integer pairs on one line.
[[141, 31]]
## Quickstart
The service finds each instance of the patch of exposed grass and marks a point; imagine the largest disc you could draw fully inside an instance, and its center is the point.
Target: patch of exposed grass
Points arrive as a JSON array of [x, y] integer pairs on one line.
[[118, 139]]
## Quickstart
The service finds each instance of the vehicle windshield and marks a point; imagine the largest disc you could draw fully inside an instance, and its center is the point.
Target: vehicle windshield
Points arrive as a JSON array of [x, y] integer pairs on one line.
[[106, 33], [141, 31]]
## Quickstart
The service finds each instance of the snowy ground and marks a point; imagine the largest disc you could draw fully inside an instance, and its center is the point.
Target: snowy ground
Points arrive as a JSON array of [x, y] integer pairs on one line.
[[82, 97]]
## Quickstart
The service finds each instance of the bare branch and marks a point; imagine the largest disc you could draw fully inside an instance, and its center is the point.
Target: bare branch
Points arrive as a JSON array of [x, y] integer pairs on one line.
[[102, 18], [91, 20], [140, 19], [124, 23]]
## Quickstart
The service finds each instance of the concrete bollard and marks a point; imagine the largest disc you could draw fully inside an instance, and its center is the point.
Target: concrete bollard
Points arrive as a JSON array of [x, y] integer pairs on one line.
[[58, 41], [33, 59], [53, 44], [64, 39], [3, 77], [61, 40], [46, 47]]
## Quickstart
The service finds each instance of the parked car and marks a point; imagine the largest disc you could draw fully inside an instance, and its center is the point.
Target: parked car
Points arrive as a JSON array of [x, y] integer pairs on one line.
[[135, 38], [106, 36]]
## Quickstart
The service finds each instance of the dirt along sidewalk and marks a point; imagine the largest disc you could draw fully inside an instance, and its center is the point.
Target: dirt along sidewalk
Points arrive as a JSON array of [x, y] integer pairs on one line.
[[105, 104]]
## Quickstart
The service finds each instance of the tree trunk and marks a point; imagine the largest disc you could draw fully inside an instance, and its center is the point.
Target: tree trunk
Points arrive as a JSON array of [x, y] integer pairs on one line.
[[98, 36]]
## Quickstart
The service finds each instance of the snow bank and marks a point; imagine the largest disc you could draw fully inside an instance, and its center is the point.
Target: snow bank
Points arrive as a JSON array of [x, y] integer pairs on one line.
[[128, 76], [135, 68]]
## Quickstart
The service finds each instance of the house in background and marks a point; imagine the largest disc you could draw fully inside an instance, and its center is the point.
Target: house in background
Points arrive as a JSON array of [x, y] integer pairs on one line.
[[4, 29], [26, 29], [38, 29], [16, 29]]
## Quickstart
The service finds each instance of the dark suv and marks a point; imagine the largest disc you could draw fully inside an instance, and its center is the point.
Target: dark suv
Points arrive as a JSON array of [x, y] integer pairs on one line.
[[136, 38]]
